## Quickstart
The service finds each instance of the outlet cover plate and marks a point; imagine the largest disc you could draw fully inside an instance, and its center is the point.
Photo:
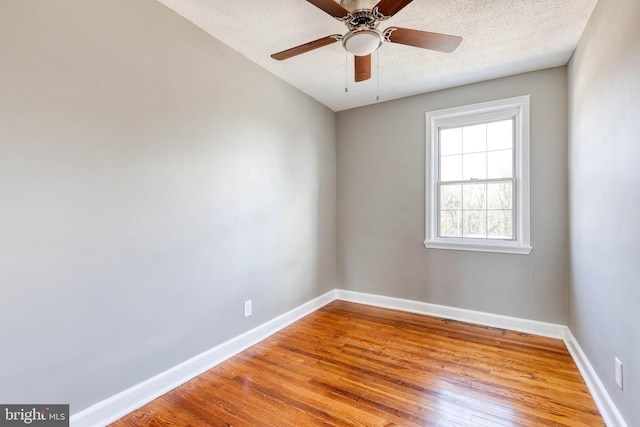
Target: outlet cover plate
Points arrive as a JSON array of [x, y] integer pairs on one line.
[[247, 308], [619, 373]]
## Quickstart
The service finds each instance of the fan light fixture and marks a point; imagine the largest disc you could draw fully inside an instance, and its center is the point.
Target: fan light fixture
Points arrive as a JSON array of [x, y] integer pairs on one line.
[[362, 41]]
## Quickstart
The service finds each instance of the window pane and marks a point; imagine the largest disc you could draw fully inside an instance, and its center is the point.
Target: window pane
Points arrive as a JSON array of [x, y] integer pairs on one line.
[[500, 224], [451, 197], [475, 224], [451, 168], [474, 138], [451, 224], [474, 196], [450, 141], [500, 164], [474, 166], [500, 195], [500, 135]]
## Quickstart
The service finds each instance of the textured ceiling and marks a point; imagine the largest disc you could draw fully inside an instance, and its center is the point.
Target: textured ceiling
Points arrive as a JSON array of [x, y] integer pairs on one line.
[[500, 38]]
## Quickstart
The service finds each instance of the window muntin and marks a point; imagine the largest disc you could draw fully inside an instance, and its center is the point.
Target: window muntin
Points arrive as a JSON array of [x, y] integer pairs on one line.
[[477, 185]]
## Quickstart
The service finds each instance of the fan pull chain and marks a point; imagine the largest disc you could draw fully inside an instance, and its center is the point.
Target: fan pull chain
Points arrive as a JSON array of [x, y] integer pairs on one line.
[[346, 72], [377, 75]]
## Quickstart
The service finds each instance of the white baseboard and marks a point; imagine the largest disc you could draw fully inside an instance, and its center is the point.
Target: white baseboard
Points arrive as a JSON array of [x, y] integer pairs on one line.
[[612, 417], [533, 327], [115, 407]]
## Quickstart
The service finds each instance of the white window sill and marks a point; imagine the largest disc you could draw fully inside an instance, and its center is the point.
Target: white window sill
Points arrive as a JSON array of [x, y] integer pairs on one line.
[[480, 247]]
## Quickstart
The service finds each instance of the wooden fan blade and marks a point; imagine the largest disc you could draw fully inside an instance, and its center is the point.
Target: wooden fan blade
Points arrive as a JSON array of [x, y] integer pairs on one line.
[[303, 48], [363, 68], [331, 7], [391, 7], [425, 39]]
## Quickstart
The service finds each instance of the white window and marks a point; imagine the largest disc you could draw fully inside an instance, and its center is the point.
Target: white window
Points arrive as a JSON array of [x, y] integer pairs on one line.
[[478, 177]]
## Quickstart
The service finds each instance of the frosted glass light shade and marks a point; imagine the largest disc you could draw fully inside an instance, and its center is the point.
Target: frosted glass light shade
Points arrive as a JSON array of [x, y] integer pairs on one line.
[[362, 42]]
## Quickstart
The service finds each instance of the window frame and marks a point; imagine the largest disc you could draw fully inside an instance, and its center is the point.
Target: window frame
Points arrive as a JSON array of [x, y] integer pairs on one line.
[[516, 108]]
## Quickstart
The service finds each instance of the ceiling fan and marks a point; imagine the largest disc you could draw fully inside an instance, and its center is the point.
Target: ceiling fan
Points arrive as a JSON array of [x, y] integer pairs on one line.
[[362, 18]]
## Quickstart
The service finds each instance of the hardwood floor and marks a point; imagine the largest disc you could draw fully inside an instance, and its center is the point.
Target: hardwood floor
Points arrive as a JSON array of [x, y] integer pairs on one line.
[[355, 365]]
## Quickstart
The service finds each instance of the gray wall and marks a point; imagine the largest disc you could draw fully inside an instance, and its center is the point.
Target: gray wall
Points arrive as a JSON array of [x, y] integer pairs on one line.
[[380, 217], [151, 179], [604, 175]]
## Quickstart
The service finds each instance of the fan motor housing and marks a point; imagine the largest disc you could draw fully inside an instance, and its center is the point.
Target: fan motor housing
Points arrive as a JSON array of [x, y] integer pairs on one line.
[[355, 5], [361, 14]]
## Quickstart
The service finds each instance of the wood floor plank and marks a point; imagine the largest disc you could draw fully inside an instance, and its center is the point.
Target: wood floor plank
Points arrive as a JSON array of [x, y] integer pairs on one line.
[[327, 398], [312, 397], [355, 365]]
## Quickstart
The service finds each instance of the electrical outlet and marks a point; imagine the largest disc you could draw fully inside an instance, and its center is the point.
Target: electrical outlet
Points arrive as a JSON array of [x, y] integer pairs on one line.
[[619, 373], [247, 308]]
